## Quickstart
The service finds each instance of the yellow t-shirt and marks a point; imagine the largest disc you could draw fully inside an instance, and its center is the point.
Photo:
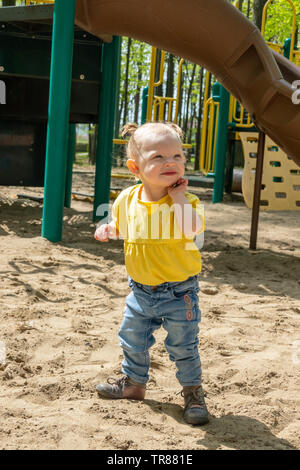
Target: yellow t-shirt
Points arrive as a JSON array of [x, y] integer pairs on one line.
[[155, 249]]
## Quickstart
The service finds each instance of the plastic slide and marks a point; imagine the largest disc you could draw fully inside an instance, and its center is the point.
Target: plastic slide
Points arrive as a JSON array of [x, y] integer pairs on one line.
[[219, 37]]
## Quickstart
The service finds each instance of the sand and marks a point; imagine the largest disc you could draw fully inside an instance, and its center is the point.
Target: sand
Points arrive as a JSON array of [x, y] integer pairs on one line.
[[61, 306]]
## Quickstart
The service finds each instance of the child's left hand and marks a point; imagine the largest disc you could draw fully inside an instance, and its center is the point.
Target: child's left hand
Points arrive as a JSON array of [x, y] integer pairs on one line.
[[178, 188]]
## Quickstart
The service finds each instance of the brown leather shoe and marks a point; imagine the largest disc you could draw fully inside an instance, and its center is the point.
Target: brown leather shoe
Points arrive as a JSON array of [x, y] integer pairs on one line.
[[122, 388], [195, 411]]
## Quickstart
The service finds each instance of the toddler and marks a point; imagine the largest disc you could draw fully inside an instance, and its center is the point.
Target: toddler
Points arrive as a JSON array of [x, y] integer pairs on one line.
[[158, 220]]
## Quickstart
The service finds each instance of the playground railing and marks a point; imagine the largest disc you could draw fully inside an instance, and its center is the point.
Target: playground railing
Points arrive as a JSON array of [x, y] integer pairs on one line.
[[296, 57], [159, 107], [208, 140], [239, 115], [37, 2], [156, 104]]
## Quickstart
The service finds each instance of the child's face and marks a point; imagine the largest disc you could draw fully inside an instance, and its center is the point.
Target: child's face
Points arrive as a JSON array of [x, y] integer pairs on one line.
[[161, 160]]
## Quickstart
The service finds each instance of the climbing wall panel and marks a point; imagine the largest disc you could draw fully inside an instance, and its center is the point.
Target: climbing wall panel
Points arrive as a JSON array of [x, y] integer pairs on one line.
[[281, 176]]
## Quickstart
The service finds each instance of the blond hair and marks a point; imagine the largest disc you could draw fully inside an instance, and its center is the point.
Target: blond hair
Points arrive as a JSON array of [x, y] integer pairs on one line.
[[133, 131]]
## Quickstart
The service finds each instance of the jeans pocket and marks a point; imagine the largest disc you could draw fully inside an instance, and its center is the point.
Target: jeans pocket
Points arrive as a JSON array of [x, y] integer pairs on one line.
[[185, 288], [180, 293]]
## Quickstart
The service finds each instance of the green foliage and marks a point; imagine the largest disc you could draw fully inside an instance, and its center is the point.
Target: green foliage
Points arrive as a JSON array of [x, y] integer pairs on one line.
[[279, 18]]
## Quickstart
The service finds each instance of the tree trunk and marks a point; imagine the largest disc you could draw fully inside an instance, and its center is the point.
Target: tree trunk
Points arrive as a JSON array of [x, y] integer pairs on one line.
[[92, 143], [188, 99], [139, 79], [170, 78], [126, 82], [193, 114], [198, 134], [258, 6], [248, 9], [158, 91], [137, 101], [180, 97]]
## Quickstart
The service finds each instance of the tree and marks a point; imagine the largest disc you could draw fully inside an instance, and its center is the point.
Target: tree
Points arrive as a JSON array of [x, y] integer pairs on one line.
[[188, 98], [258, 6], [126, 81]]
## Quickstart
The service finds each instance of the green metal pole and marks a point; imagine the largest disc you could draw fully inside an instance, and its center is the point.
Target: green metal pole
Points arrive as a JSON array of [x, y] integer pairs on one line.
[[287, 48], [107, 110], [58, 119], [221, 95], [144, 105], [70, 161]]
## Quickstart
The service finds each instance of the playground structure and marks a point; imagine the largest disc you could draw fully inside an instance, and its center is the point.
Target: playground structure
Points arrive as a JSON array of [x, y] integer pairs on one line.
[[280, 180], [279, 192], [41, 90], [259, 79]]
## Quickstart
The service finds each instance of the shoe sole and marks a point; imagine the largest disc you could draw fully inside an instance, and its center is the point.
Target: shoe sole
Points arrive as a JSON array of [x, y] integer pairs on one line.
[[104, 394], [196, 421]]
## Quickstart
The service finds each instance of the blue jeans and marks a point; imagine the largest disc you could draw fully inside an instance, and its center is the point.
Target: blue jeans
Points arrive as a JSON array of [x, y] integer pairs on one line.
[[174, 305]]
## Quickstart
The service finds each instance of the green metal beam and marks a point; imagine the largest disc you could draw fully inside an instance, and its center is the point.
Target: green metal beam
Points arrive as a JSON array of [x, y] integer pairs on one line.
[[221, 95], [58, 122], [27, 13], [107, 111]]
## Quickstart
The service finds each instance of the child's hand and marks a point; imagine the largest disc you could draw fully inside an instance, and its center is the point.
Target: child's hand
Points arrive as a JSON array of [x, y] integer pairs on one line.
[[104, 232], [178, 188]]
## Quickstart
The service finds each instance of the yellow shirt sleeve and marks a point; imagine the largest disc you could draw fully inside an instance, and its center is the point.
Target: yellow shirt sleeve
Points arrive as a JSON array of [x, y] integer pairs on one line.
[[119, 211], [198, 207], [115, 212]]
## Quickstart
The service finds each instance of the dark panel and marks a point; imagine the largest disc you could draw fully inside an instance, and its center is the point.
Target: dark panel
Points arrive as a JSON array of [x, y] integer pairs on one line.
[[22, 153], [29, 54], [27, 98]]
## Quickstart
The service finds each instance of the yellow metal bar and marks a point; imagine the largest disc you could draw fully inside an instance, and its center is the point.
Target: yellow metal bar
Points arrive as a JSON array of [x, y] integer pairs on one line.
[[208, 137], [124, 177], [240, 120], [230, 114], [275, 47], [297, 57], [119, 141], [212, 167], [209, 149], [264, 20], [161, 110], [31, 2], [161, 69], [151, 84], [204, 134]]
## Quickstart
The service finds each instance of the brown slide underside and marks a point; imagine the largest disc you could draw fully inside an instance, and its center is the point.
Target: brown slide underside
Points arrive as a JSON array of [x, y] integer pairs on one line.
[[219, 37]]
